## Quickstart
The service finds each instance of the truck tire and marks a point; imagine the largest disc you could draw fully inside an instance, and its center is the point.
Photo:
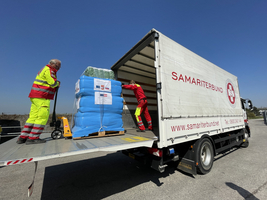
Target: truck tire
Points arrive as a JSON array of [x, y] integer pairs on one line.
[[246, 143], [204, 156]]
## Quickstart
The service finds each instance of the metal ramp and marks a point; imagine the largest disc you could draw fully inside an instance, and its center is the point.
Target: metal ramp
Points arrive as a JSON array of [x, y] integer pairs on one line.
[[12, 153]]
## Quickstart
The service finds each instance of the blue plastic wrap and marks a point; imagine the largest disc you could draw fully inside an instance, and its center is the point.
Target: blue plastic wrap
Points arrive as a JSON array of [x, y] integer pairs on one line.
[[92, 116], [84, 101], [87, 123], [86, 86]]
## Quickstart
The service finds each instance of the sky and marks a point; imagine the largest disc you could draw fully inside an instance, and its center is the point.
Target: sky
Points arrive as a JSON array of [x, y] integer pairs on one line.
[[232, 34]]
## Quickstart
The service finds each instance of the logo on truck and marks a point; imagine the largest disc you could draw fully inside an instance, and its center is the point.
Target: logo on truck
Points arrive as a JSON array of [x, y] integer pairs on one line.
[[195, 81], [230, 92]]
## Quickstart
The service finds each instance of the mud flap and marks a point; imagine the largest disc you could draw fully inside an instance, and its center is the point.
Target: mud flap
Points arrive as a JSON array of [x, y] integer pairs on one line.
[[30, 188], [187, 166]]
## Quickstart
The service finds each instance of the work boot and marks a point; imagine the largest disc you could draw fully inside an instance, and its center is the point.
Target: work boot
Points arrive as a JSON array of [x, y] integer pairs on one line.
[[36, 141], [21, 140], [140, 130]]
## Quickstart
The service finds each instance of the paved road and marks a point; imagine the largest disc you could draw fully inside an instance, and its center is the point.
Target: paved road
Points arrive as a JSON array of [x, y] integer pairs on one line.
[[240, 174]]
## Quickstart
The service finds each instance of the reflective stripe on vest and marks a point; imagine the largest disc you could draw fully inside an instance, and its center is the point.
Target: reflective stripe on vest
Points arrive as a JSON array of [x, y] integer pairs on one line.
[[43, 90], [45, 82]]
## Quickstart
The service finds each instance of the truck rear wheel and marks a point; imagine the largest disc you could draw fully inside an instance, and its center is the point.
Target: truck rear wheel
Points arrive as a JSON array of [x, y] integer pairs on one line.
[[204, 156]]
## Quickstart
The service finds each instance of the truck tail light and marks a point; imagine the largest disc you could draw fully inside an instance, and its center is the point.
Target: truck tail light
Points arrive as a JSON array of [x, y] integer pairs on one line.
[[155, 152]]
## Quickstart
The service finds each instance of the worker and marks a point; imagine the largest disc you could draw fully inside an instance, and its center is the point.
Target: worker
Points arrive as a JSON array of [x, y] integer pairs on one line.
[[142, 106], [42, 91]]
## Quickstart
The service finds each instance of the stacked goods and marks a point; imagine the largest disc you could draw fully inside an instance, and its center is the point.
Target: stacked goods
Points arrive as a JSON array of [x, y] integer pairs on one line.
[[99, 105], [99, 73]]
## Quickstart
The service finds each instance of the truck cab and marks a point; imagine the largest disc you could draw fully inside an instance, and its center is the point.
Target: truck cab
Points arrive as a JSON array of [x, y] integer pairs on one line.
[[250, 105]]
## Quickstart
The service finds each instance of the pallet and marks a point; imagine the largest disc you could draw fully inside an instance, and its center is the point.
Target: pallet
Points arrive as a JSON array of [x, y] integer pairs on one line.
[[101, 134]]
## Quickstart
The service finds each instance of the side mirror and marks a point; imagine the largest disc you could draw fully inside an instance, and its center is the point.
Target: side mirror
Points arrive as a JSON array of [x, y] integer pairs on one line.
[[250, 105]]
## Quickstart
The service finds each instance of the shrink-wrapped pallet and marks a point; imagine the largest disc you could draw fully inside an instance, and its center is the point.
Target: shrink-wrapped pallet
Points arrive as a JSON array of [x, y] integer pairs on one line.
[[99, 106]]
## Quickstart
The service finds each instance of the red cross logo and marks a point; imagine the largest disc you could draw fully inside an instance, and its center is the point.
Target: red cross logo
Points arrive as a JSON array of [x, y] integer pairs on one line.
[[231, 93]]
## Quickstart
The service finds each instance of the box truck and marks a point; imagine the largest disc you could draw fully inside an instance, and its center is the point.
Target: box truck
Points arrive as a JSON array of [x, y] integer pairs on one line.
[[196, 111], [196, 106]]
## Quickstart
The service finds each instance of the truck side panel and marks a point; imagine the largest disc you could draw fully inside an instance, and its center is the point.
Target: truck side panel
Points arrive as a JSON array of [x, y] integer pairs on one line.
[[187, 129], [194, 87], [197, 97]]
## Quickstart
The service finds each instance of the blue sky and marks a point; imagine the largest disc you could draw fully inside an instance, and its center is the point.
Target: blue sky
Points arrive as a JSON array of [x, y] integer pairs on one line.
[[229, 33]]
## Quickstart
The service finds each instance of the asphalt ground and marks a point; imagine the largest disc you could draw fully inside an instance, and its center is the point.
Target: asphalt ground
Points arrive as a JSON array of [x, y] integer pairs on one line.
[[237, 174]]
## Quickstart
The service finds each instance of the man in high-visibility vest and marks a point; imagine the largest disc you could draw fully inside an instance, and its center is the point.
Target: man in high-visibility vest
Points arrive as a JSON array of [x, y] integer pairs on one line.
[[142, 106], [42, 91]]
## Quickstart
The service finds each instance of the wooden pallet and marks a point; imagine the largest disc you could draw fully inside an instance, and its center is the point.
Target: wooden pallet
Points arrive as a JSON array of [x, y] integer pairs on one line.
[[101, 134]]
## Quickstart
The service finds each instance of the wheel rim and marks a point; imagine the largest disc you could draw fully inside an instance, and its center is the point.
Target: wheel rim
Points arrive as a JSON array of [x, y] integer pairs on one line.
[[56, 134], [205, 155]]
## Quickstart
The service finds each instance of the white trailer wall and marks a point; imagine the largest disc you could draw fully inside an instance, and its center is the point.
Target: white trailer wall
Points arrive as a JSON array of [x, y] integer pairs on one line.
[[194, 87], [197, 96]]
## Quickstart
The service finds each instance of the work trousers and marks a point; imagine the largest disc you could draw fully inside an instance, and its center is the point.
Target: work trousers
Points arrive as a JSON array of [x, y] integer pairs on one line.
[[142, 108], [37, 120]]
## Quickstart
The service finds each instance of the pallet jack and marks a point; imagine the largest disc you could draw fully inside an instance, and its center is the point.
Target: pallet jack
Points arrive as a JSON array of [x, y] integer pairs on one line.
[[58, 132]]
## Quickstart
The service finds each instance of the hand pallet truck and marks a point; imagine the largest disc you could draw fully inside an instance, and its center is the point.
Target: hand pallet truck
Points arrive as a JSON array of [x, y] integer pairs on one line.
[[57, 133]]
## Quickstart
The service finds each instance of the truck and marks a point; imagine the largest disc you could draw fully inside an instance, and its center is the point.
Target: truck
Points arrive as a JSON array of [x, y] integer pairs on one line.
[[196, 109]]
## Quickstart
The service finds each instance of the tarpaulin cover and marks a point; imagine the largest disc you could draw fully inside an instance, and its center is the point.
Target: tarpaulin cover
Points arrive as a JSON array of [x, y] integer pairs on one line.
[[99, 106]]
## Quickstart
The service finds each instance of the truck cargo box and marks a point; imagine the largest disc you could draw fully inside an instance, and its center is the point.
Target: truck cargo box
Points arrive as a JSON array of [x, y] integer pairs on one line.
[[187, 95]]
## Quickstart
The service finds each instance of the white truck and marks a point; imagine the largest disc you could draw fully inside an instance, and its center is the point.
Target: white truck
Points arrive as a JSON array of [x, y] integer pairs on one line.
[[195, 107]]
